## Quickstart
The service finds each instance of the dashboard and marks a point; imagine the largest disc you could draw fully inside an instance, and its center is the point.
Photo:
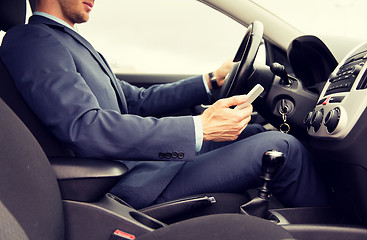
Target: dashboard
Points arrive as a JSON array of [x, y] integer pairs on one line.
[[343, 98]]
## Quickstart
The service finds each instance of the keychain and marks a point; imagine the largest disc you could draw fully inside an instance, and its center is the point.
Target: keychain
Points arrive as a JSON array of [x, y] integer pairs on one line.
[[284, 127]]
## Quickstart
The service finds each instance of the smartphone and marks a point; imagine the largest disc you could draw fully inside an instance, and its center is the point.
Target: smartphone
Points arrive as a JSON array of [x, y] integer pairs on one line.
[[252, 95]]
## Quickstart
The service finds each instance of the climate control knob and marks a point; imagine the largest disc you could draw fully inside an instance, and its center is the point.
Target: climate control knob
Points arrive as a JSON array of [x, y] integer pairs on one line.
[[332, 119], [317, 119], [307, 120]]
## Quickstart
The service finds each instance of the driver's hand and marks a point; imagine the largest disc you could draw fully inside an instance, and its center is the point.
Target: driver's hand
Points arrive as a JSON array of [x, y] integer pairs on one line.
[[222, 123], [221, 73]]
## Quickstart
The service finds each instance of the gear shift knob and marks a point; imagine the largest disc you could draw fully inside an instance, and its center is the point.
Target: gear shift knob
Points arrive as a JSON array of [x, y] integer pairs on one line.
[[271, 162]]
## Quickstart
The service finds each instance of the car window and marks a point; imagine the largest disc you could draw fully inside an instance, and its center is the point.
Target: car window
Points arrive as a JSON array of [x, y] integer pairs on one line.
[[2, 33], [332, 17], [161, 36]]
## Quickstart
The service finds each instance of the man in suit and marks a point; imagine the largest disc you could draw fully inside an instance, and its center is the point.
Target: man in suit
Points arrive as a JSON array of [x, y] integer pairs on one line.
[[71, 88]]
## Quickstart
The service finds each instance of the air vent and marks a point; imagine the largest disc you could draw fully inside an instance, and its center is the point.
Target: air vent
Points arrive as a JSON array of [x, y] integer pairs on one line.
[[363, 83]]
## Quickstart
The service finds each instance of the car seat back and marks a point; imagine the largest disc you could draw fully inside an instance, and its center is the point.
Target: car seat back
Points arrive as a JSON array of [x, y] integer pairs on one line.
[[12, 13], [29, 193]]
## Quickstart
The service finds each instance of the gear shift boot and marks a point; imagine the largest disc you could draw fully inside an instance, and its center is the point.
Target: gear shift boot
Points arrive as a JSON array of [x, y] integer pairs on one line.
[[271, 162]]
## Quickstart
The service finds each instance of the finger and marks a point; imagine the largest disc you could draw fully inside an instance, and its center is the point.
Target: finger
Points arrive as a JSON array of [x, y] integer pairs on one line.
[[233, 101], [245, 123], [246, 110], [244, 127]]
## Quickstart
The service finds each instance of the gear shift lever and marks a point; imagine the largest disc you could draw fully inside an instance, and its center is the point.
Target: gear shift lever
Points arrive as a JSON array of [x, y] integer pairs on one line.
[[271, 162]]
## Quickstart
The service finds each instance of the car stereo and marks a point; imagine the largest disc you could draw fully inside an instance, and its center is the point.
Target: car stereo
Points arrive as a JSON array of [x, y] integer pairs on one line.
[[343, 99]]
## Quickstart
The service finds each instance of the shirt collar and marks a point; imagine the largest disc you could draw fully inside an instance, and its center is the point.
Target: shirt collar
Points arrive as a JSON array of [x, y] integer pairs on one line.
[[49, 16]]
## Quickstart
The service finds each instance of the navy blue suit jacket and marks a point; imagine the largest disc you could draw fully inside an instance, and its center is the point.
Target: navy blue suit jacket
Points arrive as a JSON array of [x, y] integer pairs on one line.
[[73, 91]]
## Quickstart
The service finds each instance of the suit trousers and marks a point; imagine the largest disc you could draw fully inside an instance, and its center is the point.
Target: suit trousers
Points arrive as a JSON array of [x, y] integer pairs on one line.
[[236, 167]]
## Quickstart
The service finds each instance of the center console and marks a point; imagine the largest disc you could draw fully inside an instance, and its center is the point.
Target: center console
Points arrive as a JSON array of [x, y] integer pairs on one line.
[[338, 132], [343, 99]]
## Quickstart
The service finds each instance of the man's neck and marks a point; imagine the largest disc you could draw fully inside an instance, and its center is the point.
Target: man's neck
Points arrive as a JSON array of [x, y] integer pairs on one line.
[[54, 18], [52, 8]]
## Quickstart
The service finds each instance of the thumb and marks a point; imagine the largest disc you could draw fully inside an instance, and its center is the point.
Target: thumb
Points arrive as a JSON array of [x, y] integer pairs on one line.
[[234, 100]]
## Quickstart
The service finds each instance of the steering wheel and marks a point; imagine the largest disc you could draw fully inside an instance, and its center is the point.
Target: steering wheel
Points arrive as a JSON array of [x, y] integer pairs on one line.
[[244, 61]]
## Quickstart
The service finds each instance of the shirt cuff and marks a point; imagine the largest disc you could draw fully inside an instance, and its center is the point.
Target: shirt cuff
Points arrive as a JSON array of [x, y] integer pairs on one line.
[[206, 85], [198, 133]]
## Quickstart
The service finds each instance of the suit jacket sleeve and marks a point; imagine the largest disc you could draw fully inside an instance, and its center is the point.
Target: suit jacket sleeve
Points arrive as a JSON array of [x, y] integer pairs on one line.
[[165, 98], [52, 83]]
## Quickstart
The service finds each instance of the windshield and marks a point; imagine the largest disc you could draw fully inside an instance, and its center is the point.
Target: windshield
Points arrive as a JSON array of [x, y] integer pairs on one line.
[[162, 36], [320, 17]]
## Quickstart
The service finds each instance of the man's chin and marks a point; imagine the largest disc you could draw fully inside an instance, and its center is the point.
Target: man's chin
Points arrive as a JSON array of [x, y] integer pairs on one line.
[[82, 19]]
